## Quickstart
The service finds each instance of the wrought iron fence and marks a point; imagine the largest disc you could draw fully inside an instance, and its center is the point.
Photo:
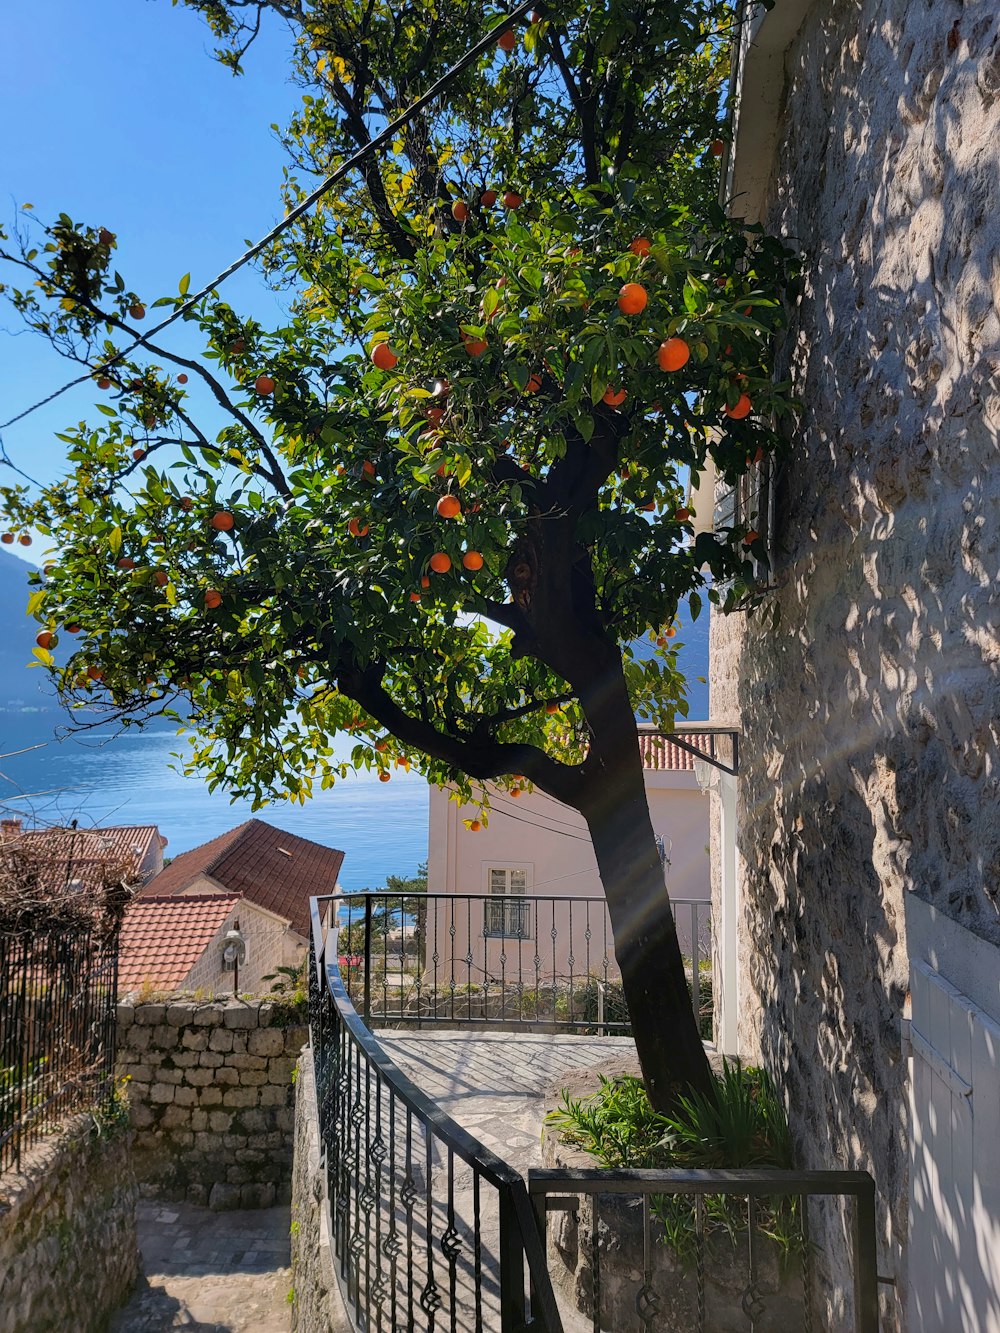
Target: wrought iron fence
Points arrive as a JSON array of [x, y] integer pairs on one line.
[[429, 1229], [58, 995], [640, 1251], [541, 961]]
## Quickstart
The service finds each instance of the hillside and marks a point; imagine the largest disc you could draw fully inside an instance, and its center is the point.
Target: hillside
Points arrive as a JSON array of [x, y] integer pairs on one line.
[[21, 687]]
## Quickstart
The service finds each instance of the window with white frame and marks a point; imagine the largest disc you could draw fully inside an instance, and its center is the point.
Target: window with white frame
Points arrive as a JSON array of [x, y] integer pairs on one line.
[[506, 917]]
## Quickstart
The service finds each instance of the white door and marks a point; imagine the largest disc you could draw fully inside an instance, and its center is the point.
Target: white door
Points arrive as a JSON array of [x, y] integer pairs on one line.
[[954, 1245]]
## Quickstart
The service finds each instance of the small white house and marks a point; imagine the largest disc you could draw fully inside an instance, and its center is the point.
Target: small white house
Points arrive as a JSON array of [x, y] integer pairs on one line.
[[536, 848]]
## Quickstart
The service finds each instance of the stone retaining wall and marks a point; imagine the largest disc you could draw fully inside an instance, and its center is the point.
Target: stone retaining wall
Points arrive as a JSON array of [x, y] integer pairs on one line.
[[68, 1253], [316, 1304], [212, 1093]]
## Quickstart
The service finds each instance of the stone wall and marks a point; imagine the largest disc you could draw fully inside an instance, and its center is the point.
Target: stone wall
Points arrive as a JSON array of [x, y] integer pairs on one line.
[[870, 718], [68, 1253], [212, 1094], [316, 1304]]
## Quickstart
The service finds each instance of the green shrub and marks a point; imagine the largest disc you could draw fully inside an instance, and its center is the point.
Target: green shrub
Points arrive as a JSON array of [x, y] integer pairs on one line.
[[744, 1125]]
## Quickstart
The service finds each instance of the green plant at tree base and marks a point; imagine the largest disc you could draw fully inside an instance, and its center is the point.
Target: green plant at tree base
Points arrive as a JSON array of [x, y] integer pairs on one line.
[[742, 1125], [450, 491]]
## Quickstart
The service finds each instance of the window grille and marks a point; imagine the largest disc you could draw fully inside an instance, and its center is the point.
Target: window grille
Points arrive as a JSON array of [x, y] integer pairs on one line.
[[505, 917]]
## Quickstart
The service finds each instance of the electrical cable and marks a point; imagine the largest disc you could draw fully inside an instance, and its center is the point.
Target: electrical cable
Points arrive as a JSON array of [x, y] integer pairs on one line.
[[383, 137], [548, 828]]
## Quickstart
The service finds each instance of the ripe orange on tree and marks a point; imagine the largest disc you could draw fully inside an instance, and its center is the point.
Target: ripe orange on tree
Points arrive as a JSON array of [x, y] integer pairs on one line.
[[751, 537], [632, 299], [682, 515], [488, 198], [73, 629], [264, 385], [614, 397], [440, 562], [137, 311], [512, 199], [506, 41], [425, 581], [95, 673], [534, 383], [741, 408], [460, 210], [186, 502], [104, 382], [368, 469], [474, 346], [45, 639], [24, 539], [673, 354], [356, 528], [551, 708], [449, 506], [434, 413], [182, 379], [138, 454], [105, 237], [414, 597], [717, 147], [159, 578], [383, 357], [648, 508], [7, 538], [222, 521], [474, 826], [472, 560], [126, 562], [641, 246], [213, 599], [384, 777]]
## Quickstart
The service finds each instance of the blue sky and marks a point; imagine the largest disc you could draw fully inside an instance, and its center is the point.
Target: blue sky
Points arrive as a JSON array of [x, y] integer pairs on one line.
[[116, 113]]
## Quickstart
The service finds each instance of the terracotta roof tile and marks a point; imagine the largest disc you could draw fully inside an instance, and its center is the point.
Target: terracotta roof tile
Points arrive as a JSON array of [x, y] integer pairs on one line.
[[264, 864], [662, 755], [163, 938]]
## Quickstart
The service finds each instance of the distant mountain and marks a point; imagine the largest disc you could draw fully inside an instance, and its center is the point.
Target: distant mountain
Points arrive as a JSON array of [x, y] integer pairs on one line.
[[22, 688]]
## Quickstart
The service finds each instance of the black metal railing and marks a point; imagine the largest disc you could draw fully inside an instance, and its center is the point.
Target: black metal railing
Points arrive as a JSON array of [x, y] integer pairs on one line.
[[430, 1230], [544, 962], [745, 1260], [58, 995]]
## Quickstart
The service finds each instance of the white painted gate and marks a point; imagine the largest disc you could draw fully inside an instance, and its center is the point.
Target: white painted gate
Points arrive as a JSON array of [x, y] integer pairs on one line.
[[954, 1246]]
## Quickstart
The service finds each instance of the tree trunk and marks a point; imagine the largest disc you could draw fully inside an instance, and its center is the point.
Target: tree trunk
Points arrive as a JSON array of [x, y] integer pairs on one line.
[[614, 805]]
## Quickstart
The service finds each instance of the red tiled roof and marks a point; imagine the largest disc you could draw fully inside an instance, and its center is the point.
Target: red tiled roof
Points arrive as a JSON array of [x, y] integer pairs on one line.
[[661, 754], [264, 864], [81, 858], [163, 938]]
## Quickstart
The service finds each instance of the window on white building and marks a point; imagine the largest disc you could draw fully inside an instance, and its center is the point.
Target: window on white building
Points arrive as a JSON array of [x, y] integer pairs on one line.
[[505, 916]]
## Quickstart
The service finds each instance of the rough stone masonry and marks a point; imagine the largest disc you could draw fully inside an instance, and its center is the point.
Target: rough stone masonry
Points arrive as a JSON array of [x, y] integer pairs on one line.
[[212, 1093]]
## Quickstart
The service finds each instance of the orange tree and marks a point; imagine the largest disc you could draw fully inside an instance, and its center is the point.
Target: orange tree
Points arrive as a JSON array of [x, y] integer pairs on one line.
[[436, 508]]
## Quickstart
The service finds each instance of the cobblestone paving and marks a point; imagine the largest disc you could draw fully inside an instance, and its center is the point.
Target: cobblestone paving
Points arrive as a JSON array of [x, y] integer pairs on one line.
[[214, 1272]]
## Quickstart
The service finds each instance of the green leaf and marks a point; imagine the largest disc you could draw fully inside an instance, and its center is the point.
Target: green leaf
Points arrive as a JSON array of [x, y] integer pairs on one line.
[[184, 284]]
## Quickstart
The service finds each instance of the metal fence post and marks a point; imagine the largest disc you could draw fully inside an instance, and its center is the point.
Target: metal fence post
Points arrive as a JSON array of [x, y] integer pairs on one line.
[[865, 1264], [513, 1313], [366, 1008]]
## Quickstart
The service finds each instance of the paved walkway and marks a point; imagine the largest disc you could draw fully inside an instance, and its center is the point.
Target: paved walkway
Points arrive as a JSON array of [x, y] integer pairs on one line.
[[213, 1272], [499, 1085]]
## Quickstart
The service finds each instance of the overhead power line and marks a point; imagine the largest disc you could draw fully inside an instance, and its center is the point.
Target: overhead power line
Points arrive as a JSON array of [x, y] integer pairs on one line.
[[345, 168]]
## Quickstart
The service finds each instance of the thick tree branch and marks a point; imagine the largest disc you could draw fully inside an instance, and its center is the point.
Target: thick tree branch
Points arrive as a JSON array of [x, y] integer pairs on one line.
[[480, 760]]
